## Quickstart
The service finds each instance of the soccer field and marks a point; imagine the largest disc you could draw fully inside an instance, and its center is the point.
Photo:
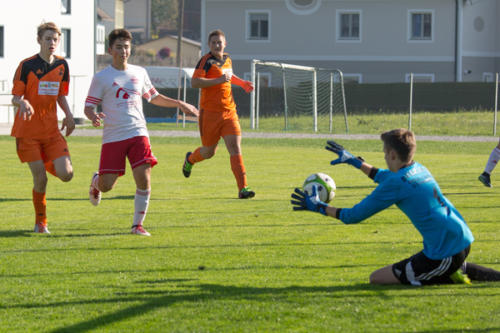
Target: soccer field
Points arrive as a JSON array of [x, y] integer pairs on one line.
[[266, 268]]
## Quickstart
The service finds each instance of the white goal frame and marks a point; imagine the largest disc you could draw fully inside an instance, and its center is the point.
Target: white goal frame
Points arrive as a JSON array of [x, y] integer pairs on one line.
[[254, 98]]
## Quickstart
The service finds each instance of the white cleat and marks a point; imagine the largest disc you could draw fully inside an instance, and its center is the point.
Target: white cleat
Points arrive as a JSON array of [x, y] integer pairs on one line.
[[41, 229], [94, 194], [139, 230]]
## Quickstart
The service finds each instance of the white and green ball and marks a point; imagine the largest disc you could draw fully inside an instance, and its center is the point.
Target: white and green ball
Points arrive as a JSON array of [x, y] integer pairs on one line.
[[326, 186]]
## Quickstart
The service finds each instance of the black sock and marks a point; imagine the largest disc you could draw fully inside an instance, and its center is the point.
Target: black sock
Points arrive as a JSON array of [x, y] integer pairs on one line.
[[481, 273]]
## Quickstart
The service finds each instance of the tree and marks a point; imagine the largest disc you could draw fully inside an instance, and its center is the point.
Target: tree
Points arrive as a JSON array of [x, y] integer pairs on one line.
[[164, 14]]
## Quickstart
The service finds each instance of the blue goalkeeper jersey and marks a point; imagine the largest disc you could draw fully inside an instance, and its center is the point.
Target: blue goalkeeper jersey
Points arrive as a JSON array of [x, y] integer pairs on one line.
[[415, 191]]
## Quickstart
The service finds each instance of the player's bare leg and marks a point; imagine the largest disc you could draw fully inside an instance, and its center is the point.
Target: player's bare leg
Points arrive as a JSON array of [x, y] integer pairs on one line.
[[384, 275], [101, 183], [490, 165], [64, 168], [233, 145], [200, 154]]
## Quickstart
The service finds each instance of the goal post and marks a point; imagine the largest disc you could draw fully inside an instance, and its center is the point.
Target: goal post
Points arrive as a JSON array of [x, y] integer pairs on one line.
[[295, 93]]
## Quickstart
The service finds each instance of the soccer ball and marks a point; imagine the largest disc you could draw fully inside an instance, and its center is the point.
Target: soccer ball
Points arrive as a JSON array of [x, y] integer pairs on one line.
[[326, 186]]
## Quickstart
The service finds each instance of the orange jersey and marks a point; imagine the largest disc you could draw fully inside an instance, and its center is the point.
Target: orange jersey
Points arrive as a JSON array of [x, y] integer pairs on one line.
[[218, 97], [41, 84]]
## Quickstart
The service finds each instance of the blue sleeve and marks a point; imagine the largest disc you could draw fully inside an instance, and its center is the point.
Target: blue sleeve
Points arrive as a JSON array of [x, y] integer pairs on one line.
[[386, 194], [382, 175]]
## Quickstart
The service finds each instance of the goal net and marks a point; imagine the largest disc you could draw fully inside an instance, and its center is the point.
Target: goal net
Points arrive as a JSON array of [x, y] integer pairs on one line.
[[297, 98]]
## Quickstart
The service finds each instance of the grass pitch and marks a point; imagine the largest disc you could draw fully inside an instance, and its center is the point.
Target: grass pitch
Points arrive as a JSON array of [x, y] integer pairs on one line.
[[266, 268]]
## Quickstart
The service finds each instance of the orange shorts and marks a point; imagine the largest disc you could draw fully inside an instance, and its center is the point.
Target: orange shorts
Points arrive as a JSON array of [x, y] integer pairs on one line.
[[214, 125], [47, 150]]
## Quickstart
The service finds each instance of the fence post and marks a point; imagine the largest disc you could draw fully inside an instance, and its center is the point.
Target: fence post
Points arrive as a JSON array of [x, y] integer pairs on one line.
[[315, 100], [496, 106], [257, 101], [285, 105], [252, 94], [411, 101], [331, 103]]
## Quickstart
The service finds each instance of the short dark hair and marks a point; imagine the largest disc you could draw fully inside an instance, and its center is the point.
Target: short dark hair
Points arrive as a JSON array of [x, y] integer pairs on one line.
[[47, 26], [402, 141], [118, 33], [216, 32]]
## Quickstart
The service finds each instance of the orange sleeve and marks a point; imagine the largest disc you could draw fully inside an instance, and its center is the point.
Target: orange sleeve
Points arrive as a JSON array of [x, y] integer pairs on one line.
[[199, 73], [19, 86], [200, 70], [64, 88]]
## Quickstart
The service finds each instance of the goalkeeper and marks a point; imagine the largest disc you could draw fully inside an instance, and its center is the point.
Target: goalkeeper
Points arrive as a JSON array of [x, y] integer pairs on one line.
[[446, 237]]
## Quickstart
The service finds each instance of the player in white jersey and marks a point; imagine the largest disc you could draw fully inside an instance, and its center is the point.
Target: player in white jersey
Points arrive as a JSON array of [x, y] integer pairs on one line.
[[119, 89], [485, 177]]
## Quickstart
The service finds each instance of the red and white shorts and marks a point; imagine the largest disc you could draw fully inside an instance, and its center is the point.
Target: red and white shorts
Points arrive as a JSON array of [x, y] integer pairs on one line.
[[136, 149]]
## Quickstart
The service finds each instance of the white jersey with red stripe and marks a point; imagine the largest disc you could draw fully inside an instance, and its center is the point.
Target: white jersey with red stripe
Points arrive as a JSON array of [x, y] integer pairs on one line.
[[120, 95]]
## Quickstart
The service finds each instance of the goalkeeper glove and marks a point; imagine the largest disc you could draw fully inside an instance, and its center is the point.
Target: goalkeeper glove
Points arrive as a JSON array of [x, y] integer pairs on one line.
[[344, 155], [306, 201]]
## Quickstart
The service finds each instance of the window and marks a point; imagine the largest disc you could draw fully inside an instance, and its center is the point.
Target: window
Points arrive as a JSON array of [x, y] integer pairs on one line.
[[65, 6], [100, 39], [488, 77], [1, 41], [66, 43], [420, 25], [420, 77], [4, 87], [349, 25], [258, 25]]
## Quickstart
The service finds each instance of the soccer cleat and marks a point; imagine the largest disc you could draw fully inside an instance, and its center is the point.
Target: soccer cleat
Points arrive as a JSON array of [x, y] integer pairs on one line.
[[485, 179], [246, 193], [139, 230], [94, 194], [460, 278], [186, 168], [41, 229]]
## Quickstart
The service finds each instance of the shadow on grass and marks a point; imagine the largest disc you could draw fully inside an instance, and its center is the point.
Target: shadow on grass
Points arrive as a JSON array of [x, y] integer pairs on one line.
[[118, 197], [155, 299], [16, 233], [14, 199]]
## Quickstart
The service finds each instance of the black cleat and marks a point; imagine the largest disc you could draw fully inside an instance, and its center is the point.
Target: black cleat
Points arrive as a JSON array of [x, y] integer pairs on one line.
[[186, 168], [485, 179], [246, 193]]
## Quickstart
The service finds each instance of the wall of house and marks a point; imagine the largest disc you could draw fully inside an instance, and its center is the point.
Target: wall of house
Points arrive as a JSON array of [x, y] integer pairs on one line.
[[20, 29], [384, 52], [481, 47]]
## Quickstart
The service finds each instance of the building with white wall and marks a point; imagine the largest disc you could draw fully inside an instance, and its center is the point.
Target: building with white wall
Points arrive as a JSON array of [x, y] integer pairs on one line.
[[371, 41], [18, 40]]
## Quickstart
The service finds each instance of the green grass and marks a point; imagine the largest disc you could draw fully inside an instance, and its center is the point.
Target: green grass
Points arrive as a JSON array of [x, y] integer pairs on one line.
[[267, 268], [470, 123]]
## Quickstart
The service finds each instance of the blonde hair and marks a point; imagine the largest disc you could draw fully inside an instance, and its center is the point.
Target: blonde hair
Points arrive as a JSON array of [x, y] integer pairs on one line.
[[47, 26]]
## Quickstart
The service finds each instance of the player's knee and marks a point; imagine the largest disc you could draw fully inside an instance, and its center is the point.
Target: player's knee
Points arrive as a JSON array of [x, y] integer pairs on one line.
[[66, 177], [105, 187], [208, 154]]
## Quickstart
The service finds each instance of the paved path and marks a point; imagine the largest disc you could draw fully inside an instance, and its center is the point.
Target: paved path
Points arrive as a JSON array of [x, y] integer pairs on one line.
[[5, 130]]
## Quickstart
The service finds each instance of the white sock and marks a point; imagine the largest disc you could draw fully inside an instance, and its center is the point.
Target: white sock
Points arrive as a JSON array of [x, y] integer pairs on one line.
[[141, 203], [95, 181], [492, 160]]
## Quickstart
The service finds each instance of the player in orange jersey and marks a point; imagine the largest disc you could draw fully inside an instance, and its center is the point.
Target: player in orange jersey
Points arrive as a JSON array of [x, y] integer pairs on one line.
[[40, 83], [218, 117]]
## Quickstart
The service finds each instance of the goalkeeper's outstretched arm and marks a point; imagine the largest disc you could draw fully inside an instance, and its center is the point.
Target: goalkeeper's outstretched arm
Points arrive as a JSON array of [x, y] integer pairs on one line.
[[345, 156]]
